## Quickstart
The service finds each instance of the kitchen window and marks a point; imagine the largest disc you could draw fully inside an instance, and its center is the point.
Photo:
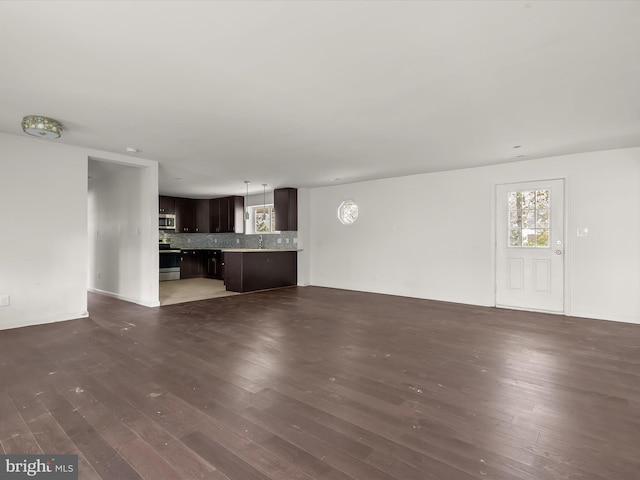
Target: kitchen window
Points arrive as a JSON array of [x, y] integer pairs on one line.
[[263, 219]]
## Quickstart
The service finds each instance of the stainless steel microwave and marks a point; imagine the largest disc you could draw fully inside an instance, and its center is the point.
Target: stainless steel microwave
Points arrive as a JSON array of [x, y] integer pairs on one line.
[[167, 221]]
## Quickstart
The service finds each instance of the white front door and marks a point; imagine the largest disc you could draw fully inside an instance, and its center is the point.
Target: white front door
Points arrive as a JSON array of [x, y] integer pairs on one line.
[[530, 246]]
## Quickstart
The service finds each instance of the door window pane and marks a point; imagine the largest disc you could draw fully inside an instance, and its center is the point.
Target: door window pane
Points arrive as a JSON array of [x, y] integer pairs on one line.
[[528, 218], [542, 218], [514, 237]]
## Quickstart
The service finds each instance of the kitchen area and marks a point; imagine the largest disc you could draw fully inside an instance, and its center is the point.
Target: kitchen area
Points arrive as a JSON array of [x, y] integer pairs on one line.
[[217, 247]]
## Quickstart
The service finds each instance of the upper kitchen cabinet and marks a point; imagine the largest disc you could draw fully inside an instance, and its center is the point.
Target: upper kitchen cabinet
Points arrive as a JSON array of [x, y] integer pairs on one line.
[[192, 216], [227, 215], [285, 203], [185, 215], [218, 216], [167, 204], [203, 219]]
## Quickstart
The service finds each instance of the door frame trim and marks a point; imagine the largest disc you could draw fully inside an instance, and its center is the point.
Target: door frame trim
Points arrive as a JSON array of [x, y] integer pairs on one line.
[[566, 179]]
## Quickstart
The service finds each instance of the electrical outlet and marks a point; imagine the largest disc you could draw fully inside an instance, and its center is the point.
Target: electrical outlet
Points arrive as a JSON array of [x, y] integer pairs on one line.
[[286, 240], [295, 240], [237, 240], [279, 240], [4, 300]]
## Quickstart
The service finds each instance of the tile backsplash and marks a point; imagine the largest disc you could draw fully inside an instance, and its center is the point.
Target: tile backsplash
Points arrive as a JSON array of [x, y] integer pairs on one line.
[[230, 240]]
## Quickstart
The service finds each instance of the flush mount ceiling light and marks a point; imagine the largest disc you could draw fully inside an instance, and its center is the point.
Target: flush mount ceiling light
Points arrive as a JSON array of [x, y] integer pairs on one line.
[[42, 127], [348, 212]]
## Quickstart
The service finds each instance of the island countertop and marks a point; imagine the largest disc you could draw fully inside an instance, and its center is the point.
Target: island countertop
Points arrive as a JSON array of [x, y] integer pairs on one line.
[[242, 250], [261, 249]]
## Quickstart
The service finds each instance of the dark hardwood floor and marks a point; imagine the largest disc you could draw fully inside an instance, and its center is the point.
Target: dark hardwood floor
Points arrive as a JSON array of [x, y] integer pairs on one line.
[[316, 383]]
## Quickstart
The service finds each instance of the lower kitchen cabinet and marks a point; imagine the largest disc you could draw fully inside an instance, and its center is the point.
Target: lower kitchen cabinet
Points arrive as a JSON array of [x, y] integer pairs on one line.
[[192, 264], [242, 271], [214, 264], [201, 263], [260, 270]]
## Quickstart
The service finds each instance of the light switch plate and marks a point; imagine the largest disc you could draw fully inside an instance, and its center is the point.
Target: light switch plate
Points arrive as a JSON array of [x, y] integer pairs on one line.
[[583, 232], [4, 300]]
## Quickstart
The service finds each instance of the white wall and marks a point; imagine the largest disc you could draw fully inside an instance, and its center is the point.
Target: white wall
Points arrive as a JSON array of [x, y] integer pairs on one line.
[[432, 236], [123, 235], [257, 200], [304, 235], [43, 236]]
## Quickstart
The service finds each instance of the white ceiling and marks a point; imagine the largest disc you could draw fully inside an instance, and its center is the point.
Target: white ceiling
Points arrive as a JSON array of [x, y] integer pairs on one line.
[[315, 93]]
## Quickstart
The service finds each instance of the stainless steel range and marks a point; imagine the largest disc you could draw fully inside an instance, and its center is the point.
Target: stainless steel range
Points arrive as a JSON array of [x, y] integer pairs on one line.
[[169, 262]]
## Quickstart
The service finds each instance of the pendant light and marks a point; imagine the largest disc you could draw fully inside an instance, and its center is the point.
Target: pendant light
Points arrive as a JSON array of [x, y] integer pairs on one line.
[[264, 204], [246, 201]]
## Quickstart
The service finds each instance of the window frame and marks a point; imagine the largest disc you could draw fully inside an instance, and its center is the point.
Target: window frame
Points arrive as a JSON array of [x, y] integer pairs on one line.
[[253, 218]]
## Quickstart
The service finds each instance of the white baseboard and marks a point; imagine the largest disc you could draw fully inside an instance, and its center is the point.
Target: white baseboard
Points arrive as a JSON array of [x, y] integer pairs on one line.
[[601, 316], [43, 321], [138, 301]]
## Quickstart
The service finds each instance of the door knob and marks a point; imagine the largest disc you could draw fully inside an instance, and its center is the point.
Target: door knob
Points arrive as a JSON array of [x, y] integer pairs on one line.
[[558, 252]]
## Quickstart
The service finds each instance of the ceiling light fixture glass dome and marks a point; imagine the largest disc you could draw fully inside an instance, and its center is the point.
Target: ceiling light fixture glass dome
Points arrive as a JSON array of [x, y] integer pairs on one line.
[[42, 127]]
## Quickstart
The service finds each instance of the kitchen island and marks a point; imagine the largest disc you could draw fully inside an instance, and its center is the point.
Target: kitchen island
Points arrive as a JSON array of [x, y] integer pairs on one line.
[[250, 269]]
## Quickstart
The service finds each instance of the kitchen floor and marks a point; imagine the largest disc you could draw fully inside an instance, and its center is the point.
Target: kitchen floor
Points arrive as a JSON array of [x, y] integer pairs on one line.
[[191, 289]]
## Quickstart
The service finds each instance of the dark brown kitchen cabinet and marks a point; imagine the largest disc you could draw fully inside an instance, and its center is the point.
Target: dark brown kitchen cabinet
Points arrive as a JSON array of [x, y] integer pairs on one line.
[[285, 203], [192, 264], [167, 204], [236, 214], [250, 271], [217, 215], [192, 216], [201, 263], [214, 264], [202, 216], [227, 215], [185, 215]]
